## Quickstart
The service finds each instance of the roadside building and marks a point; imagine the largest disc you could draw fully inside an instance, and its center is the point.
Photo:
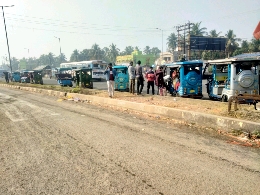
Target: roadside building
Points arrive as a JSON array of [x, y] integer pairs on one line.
[[146, 60], [46, 70]]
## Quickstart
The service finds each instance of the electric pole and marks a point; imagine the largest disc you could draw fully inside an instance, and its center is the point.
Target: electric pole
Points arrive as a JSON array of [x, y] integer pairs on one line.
[[182, 44], [7, 37]]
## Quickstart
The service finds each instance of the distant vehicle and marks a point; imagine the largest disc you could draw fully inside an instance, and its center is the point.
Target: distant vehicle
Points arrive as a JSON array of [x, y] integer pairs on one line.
[[37, 77], [64, 76], [16, 76], [189, 76], [122, 78], [84, 78], [234, 76], [25, 76], [98, 74], [98, 67]]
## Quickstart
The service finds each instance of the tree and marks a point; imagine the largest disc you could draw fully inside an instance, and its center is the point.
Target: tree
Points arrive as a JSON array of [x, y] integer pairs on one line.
[[137, 48], [231, 44], [128, 50], [172, 42], [254, 46], [196, 30], [62, 57], [155, 51], [95, 52], [43, 59], [113, 52], [51, 58], [84, 55], [213, 33], [147, 50], [74, 56], [14, 63]]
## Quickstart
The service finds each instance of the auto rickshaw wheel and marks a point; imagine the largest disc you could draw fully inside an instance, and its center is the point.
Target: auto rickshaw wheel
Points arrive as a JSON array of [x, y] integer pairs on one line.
[[224, 98]]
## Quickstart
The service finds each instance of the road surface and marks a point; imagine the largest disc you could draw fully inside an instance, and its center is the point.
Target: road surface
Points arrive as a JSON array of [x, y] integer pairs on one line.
[[53, 147]]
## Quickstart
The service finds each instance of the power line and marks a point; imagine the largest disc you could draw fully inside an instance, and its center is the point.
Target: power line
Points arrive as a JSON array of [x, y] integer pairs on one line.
[[65, 23]]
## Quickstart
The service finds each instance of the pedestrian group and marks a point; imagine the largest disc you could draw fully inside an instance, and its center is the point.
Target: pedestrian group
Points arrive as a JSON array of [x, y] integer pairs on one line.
[[136, 76]]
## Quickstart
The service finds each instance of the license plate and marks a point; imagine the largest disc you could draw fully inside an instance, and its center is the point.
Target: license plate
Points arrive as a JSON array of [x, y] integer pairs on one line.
[[192, 91]]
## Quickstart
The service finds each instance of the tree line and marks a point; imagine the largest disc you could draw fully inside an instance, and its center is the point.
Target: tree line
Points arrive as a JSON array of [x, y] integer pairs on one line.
[[110, 53], [232, 46]]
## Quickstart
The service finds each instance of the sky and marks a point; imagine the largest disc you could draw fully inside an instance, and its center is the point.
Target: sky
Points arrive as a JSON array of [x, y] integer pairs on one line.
[[32, 25]]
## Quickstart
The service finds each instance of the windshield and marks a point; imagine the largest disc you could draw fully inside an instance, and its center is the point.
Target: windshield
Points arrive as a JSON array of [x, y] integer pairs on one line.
[[96, 66], [121, 70]]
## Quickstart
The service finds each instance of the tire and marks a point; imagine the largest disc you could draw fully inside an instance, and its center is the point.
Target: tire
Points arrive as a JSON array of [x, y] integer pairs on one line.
[[224, 98]]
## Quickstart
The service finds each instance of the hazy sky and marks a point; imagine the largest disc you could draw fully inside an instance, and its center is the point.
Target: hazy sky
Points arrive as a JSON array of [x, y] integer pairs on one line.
[[32, 24]]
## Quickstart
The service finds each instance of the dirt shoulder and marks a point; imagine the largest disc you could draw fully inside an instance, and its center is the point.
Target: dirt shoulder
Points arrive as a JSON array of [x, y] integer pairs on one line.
[[245, 112]]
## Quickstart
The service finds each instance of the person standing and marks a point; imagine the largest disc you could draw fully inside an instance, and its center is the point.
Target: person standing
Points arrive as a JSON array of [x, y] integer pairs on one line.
[[110, 77], [6, 77], [139, 77], [131, 72], [150, 76], [159, 79]]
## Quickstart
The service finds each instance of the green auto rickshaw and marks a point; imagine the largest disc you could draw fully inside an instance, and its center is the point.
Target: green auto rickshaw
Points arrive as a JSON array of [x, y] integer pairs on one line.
[[83, 77], [37, 77]]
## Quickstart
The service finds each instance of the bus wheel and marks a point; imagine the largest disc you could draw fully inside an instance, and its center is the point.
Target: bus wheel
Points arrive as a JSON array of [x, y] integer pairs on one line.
[[224, 98]]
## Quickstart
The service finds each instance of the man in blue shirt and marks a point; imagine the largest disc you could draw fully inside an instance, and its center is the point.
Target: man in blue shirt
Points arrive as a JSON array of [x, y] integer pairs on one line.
[[110, 77]]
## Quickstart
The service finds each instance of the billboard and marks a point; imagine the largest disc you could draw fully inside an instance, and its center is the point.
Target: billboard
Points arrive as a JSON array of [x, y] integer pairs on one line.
[[207, 43]]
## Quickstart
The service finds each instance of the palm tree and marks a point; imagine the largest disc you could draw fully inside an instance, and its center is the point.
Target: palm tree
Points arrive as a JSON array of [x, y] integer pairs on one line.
[[172, 42], [196, 30], [254, 46], [105, 52], [147, 50], [137, 48], [44, 59], [74, 56], [231, 44], [84, 55], [128, 50], [95, 52], [51, 58], [113, 53], [213, 33]]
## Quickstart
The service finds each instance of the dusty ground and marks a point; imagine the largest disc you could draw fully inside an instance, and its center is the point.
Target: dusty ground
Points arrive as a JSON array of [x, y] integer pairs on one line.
[[246, 112]]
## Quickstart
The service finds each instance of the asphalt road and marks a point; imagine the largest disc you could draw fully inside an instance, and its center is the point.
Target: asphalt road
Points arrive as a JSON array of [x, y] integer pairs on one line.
[[53, 147]]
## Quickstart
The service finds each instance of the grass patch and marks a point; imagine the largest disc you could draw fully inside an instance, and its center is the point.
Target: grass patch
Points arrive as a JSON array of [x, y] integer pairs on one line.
[[236, 132]]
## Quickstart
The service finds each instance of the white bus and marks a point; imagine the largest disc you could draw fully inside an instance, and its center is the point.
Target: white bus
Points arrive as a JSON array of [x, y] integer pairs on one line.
[[98, 67]]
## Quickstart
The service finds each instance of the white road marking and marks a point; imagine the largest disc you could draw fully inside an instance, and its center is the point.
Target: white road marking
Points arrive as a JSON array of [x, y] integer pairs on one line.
[[18, 110]]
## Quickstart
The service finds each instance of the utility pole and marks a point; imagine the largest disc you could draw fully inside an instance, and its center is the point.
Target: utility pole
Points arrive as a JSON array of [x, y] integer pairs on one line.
[[60, 49], [183, 28], [7, 37], [162, 42], [28, 58]]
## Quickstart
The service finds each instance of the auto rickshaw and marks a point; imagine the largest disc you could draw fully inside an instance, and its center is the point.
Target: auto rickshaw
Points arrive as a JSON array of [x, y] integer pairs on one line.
[[122, 78], [25, 76], [16, 76], [64, 77], [187, 77], [84, 77], [37, 76]]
